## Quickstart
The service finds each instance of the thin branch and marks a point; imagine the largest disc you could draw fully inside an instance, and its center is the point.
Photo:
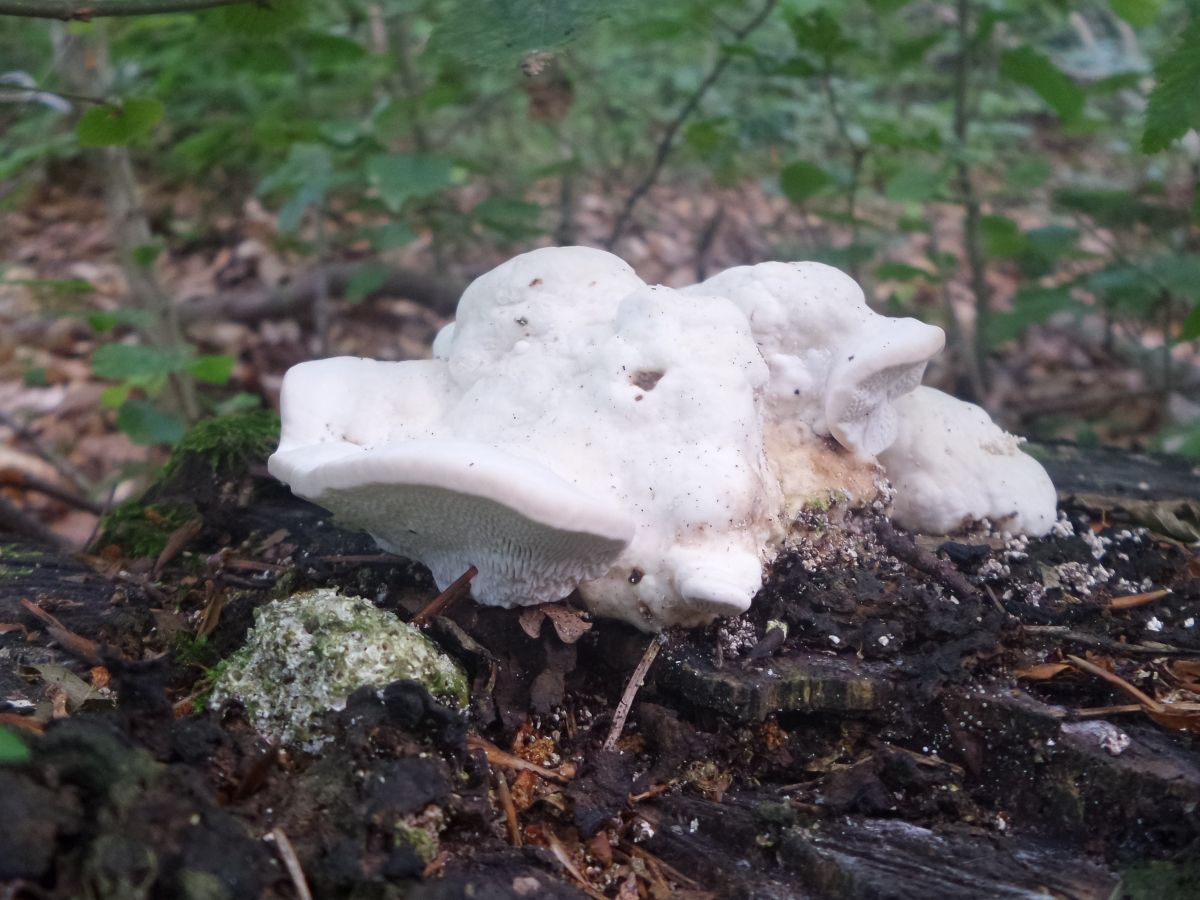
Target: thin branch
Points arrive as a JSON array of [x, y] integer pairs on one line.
[[972, 238], [15, 521], [438, 294], [48, 453], [667, 143], [86, 10], [631, 689], [291, 862], [16, 478], [858, 155]]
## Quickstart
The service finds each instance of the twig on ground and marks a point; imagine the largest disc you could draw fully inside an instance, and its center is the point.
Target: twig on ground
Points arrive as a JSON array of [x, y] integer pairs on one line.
[[1066, 633], [178, 539], [1148, 702], [905, 549], [1099, 711], [510, 809], [291, 862], [26, 482], [506, 760], [16, 521], [667, 143], [631, 689], [1134, 600], [442, 601], [85, 648], [568, 864], [64, 468]]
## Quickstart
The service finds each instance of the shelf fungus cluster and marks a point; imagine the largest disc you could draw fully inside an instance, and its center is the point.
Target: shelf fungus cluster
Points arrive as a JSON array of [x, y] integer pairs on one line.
[[578, 429]]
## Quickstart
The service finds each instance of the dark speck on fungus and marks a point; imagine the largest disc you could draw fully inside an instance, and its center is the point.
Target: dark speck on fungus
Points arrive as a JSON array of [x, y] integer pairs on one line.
[[646, 380]]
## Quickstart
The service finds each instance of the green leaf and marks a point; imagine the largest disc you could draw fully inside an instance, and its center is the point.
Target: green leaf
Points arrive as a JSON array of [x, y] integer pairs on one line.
[[330, 51], [1031, 306], [123, 123], [509, 218], [1174, 106], [915, 185], [1137, 13], [1045, 247], [898, 271], [106, 320], [399, 177], [146, 254], [802, 180], [307, 166], [306, 176], [135, 363], [1027, 66], [499, 32], [212, 369], [113, 397], [256, 19], [819, 32], [390, 236], [707, 135], [144, 423], [365, 281], [908, 53], [1190, 329], [12, 748], [1001, 236]]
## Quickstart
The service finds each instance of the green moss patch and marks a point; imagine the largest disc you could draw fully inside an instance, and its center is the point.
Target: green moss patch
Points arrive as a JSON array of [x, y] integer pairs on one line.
[[228, 443], [141, 530]]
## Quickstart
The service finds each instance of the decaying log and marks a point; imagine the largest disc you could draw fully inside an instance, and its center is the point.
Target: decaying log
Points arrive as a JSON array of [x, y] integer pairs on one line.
[[296, 297]]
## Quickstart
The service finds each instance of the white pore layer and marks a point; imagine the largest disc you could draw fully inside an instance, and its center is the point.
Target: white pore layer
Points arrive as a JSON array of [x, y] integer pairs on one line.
[[579, 428]]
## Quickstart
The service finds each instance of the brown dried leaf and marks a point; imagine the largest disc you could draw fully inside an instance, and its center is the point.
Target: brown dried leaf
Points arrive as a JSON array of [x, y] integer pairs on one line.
[[1178, 716], [1187, 673], [1134, 600], [531, 619], [568, 622], [1042, 671], [180, 538], [26, 723]]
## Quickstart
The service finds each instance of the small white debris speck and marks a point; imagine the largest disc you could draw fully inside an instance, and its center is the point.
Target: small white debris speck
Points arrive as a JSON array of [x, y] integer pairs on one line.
[[834, 639], [1155, 624]]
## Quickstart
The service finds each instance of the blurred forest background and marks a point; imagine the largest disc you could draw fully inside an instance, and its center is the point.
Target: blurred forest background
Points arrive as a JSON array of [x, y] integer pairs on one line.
[[192, 202]]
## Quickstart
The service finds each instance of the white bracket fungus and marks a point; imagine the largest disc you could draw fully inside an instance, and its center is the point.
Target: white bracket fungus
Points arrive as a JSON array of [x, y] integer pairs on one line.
[[579, 429]]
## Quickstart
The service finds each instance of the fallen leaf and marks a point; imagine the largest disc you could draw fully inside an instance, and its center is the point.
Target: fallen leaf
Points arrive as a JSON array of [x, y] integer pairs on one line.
[[568, 622], [179, 538], [1042, 671], [531, 619]]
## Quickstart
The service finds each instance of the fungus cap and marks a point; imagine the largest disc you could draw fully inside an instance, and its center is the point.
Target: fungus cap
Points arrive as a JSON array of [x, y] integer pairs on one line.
[[951, 463], [885, 361], [455, 504]]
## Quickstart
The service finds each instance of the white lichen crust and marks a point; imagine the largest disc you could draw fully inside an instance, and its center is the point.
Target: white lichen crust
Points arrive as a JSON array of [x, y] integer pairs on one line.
[[308, 653], [651, 448]]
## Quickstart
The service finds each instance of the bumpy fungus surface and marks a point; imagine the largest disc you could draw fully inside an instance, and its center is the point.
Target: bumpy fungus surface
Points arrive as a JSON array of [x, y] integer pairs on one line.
[[578, 428], [306, 654]]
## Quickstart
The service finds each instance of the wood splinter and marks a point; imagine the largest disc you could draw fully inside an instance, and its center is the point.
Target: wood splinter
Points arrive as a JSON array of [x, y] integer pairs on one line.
[[631, 689], [442, 601]]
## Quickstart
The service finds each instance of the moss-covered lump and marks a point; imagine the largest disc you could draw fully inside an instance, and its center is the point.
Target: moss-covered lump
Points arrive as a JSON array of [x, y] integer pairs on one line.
[[307, 653]]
